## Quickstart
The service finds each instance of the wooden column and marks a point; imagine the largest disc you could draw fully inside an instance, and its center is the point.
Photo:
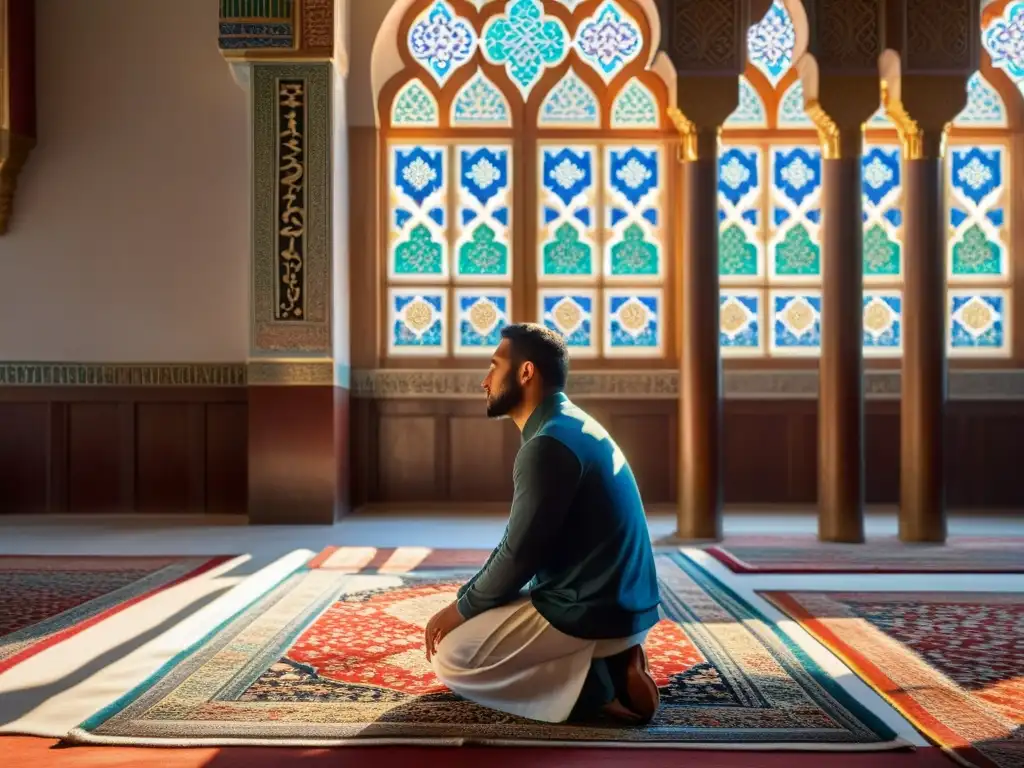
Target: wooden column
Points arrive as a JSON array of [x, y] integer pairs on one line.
[[17, 98], [706, 41], [935, 101], [926, 73], [841, 390], [700, 379], [841, 88]]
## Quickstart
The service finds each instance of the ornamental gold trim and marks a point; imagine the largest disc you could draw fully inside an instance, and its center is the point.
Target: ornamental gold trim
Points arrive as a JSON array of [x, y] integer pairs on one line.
[[829, 135], [291, 373], [25, 374]]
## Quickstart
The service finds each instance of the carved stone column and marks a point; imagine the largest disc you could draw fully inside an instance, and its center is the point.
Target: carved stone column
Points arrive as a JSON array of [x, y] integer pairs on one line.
[[841, 87], [707, 44], [17, 97], [926, 87], [298, 438]]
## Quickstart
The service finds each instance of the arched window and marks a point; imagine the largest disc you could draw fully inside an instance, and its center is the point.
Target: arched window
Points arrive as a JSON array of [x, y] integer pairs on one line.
[[527, 177], [770, 203]]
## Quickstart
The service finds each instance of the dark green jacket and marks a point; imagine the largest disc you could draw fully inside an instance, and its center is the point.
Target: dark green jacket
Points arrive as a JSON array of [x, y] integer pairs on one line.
[[577, 532]]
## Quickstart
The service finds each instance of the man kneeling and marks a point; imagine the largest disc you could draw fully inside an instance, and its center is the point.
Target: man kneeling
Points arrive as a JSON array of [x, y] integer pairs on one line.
[[571, 646]]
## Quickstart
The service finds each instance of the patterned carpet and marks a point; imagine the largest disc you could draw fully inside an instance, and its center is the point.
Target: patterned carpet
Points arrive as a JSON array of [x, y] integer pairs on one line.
[[333, 655], [44, 600], [952, 664], [786, 555]]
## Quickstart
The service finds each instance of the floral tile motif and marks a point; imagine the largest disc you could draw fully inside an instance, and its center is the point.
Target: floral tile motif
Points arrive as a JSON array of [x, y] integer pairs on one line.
[[568, 211], [609, 40], [441, 41], [633, 210], [417, 321], [481, 316], [418, 226], [526, 42], [572, 314], [770, 42], [483, 246]]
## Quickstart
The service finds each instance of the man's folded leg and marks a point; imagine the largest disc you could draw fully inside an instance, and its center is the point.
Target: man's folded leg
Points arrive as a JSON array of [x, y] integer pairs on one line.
[[512, 660]]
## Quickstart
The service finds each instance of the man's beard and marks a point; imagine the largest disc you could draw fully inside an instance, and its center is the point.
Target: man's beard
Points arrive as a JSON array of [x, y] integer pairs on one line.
[[506, 399]]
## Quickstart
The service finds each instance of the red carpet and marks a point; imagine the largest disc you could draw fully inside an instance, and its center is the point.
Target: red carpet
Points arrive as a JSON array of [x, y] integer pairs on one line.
[[23, 752]]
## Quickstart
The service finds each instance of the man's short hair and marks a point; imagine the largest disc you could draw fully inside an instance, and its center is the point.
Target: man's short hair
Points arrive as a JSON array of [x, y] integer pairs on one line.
[[546, 349]]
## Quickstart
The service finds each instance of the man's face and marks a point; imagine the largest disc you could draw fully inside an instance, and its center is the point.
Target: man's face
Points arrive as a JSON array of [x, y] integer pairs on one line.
[[502, 386]]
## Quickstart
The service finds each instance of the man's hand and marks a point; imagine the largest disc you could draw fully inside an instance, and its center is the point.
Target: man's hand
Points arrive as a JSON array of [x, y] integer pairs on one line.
[[440, 624]]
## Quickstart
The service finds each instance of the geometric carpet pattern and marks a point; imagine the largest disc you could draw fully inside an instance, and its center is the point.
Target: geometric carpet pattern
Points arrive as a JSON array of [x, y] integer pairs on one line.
[[44, 600], [332, 657], [952, 663]]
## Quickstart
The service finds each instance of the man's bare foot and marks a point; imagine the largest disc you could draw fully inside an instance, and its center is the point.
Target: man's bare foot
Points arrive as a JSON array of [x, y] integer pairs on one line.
[[641, 691], [617, 711]]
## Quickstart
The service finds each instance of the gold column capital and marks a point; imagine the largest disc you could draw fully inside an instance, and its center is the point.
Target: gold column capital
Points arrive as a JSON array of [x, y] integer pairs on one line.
[[923, 123], [838, 105], [695, 142]]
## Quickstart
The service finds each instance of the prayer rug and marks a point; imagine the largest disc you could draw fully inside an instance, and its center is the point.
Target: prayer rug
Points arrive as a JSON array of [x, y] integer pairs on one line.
[[44, 600], [951, 663], [959, 555], [335, 657]]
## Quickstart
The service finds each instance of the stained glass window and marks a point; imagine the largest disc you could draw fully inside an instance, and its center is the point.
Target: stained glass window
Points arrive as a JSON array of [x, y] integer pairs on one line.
[[978, 256], [597, 225], [770, 210], [601, 205], [522, 194], [1004, 41]]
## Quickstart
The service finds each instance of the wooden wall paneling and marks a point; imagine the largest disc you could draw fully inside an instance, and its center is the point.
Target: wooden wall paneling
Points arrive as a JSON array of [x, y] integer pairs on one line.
[[962, 442], [882, 452], [226, 443], [479, 466], [24, 457], [757, 448], [803, 454], [363, 449], [93, 456], [644, 432], [58, 458], [407, 452], [196, 458], [126, 415], [163, 466]]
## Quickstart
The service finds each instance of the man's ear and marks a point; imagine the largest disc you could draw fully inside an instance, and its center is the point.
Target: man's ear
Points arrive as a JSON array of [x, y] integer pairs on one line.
[[526, 372]]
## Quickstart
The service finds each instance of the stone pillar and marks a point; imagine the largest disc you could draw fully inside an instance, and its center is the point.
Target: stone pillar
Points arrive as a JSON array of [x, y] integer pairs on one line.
[[297, 415], [840, 79], [926, 88], [707, 44], [17, 97]]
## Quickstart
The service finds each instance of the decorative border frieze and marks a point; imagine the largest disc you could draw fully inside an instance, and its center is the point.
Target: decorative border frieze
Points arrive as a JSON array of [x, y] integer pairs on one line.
[[275, 29], [14, 374], [462, 384], [664, 385], [291, 373], [291, 209]]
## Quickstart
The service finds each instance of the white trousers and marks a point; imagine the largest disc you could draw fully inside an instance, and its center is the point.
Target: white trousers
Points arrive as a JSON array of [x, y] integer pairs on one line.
[[512, 660]]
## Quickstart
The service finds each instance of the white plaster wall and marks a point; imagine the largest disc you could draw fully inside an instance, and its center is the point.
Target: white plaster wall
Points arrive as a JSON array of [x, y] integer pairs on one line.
[[365, 18], [130, 235]]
